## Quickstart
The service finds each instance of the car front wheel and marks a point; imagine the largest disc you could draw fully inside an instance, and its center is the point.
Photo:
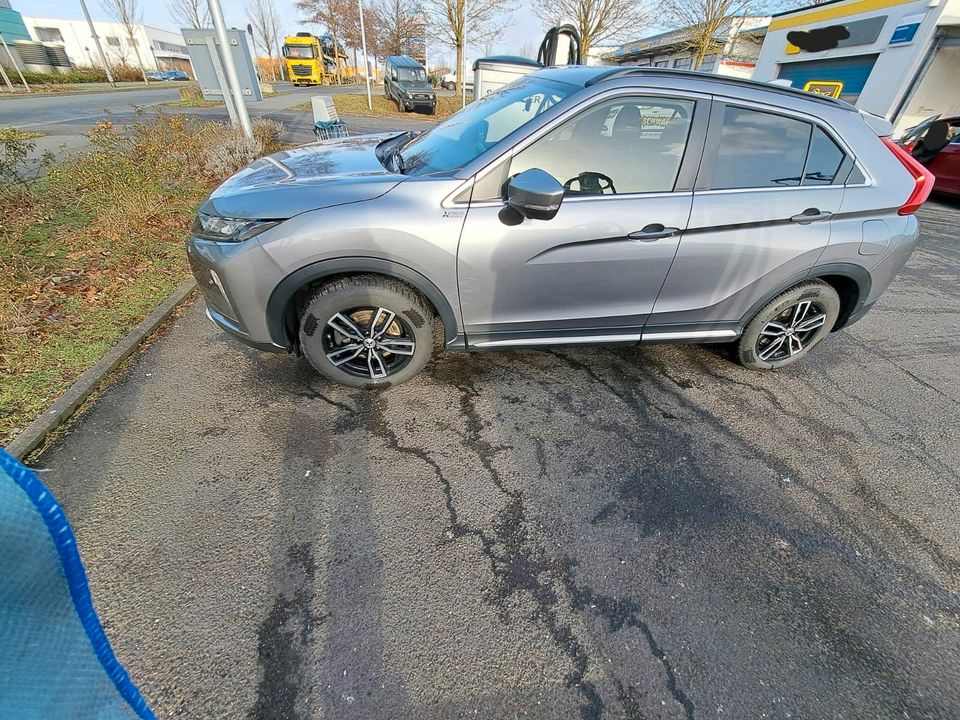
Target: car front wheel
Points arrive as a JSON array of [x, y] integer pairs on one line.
[[367, 330], [789, 326]]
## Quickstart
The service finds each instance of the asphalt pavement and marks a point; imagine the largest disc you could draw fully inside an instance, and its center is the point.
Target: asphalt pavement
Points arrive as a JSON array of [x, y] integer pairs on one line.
[[65, 118], [647, 532]]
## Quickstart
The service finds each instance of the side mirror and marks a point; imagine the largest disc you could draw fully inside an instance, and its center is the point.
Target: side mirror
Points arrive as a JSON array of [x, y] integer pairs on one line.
[[535, 194]]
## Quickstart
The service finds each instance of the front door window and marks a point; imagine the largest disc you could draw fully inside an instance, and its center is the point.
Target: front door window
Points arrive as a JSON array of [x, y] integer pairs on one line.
[[622, 146]]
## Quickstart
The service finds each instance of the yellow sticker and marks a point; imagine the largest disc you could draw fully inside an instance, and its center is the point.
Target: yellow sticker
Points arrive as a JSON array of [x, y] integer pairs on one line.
[[830, 88]]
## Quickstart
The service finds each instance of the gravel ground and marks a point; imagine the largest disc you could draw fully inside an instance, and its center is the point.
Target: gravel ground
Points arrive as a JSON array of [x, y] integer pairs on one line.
[[647, 532]]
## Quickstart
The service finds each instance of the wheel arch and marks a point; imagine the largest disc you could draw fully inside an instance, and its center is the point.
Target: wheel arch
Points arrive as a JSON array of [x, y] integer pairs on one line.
[[282, 305], [852, 283]]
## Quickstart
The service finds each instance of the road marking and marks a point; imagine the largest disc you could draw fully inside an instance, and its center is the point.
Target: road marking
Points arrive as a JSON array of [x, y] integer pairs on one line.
[[86, 117]]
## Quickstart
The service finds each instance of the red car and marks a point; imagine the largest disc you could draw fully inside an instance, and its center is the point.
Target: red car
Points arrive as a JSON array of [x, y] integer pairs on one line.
[[936, 143]]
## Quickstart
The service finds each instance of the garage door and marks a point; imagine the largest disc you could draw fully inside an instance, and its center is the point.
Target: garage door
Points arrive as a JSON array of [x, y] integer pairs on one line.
[[850, 72]]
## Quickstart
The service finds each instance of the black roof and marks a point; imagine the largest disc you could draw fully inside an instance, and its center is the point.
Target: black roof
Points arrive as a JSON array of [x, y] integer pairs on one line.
[[648, 70], [403, 61]]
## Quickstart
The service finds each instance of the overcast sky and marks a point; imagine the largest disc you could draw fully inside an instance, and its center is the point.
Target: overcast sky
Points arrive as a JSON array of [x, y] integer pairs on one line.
[[524, 27]]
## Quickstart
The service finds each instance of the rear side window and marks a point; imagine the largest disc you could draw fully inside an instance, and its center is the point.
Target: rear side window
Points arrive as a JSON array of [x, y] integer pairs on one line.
[[824, 160], [760, 149]]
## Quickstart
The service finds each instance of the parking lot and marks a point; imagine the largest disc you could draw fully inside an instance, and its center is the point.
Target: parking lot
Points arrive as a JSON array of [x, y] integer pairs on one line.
[[648, 532]]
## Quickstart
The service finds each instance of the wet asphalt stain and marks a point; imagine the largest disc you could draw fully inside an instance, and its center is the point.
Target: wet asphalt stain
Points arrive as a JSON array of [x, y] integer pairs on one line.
[[284, 639]]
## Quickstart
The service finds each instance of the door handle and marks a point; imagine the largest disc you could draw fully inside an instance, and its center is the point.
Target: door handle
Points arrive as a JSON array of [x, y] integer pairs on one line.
[[811, 215], [654, 231]]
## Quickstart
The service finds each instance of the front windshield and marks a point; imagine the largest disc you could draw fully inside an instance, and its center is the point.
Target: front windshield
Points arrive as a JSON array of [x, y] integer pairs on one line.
[[299, 52], [411, 75], [482, 124]]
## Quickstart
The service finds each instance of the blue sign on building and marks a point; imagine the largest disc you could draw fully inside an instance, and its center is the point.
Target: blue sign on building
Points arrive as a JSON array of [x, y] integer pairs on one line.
[[906, 29]]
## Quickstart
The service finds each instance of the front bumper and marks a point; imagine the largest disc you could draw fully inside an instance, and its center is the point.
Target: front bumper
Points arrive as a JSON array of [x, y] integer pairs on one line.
[[236, 280], [414, 103]]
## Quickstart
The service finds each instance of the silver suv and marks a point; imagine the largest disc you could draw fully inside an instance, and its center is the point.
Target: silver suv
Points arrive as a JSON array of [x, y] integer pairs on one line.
[[576, 206]]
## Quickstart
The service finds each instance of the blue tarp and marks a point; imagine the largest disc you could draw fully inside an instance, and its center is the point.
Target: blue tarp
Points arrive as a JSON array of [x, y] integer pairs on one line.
[[55, 659]]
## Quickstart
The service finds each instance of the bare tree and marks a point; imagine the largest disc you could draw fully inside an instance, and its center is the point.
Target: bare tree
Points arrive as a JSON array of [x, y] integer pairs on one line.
[[527, 50], [596, 20], [702, 22], [127, 13], [458, 22], [332, 14], [190, 13], [351, 32], [265, 21], [397, 21]]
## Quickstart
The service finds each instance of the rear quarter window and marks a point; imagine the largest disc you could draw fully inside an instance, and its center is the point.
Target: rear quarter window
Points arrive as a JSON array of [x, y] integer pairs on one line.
[[823, 161]]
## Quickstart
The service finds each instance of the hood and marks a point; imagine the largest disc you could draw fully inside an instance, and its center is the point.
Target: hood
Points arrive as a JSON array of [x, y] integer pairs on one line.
[[310, 177], [420, 86]]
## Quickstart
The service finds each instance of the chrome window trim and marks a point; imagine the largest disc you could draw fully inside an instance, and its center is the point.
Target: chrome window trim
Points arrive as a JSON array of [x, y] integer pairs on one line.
[[725, 191], [593, 198]]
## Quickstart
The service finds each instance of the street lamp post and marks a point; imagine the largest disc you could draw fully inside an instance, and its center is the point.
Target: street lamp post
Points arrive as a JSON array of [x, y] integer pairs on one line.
[[366, 63]]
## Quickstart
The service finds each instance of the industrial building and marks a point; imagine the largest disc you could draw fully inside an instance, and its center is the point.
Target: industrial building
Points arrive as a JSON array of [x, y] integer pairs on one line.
[[895, 58], [159, 49], [736, 46]]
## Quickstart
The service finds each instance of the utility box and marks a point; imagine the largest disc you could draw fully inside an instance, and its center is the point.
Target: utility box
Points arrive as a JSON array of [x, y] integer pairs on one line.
[[492, 73], [206, 56], [323, 109]]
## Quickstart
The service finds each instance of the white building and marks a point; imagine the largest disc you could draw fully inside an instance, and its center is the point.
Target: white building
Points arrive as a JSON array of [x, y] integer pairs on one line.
[[737, 44], [896, 58], [159, 49]]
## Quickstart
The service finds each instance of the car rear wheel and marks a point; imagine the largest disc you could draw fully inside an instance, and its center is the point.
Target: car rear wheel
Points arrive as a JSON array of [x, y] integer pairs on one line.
[[367, 330], [789, 326]]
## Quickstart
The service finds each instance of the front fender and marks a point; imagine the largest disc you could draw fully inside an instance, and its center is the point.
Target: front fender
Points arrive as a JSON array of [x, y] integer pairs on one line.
[[281, 313], [405, 234]]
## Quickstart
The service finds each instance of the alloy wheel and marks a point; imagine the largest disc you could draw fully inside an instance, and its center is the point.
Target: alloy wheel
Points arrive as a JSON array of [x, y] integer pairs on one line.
[[368, 342], [789, 332]]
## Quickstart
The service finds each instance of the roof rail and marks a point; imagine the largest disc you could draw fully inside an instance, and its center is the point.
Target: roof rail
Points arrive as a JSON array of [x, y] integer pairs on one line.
[[725, 79]]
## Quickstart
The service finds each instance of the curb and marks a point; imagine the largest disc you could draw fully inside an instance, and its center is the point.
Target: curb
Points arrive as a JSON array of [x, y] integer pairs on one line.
[[61, 410], [155, 85]]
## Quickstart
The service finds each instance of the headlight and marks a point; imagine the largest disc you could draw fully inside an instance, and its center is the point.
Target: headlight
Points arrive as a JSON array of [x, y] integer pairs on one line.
[[224, 229], [408, 94]]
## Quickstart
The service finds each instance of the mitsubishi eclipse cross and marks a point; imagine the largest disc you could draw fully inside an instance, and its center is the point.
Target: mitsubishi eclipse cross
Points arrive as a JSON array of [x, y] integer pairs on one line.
[[575, 206]]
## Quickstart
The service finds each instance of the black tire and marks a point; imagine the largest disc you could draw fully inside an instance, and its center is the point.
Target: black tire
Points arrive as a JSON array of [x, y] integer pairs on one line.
[[432, 111], [359, 299], [797, 312]]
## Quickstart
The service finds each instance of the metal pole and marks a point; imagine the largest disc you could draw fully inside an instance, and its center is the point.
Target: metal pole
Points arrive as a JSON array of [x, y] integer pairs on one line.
[[15, 66], [221, 80], [463, 78], [233, 80], [366, 62], [96, 40], [6, 79], [280, 58]]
